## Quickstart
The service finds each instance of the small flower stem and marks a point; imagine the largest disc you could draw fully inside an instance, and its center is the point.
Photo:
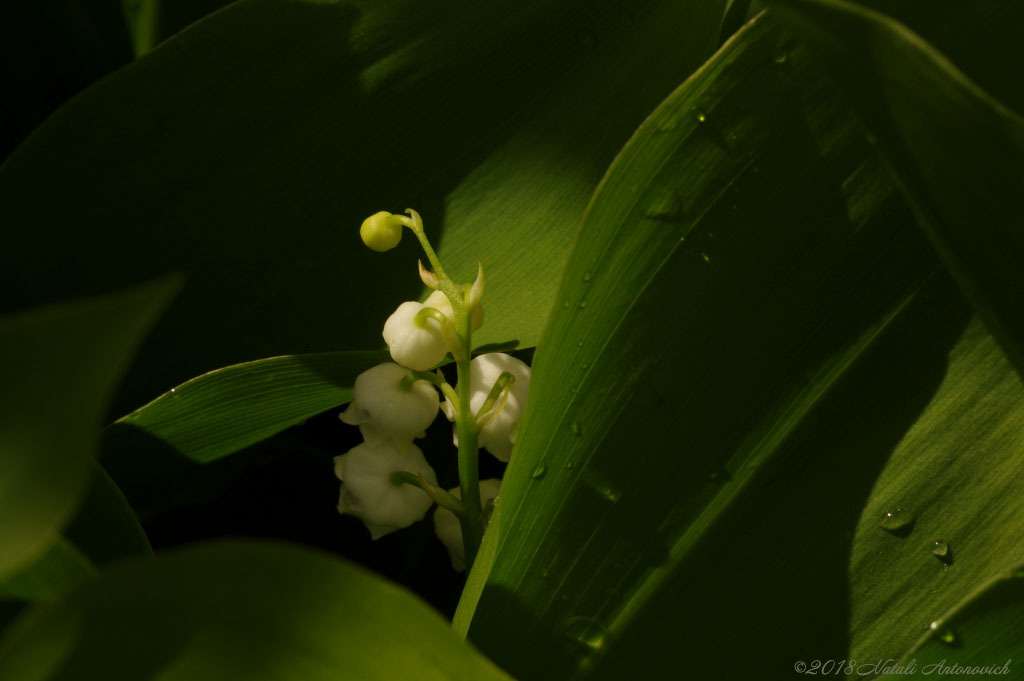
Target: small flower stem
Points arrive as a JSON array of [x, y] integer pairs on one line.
[[439, 496], [497, 390], [415, 223]]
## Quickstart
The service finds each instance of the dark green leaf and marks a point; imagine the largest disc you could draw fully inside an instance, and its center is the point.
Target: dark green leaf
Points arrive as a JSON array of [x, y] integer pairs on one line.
[[62, 567], [239, 610], [979, 638], [225, 410], [955, 151], [59, 366], [248, 149], [105, 527], [743, 338]]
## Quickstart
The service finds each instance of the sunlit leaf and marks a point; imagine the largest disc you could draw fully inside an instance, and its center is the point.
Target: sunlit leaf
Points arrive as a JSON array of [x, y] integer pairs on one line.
[[60, 365], [239, 610], [247, 149]]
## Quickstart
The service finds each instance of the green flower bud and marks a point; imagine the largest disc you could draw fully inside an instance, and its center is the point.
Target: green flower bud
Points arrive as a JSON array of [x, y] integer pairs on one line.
[[381, 231]]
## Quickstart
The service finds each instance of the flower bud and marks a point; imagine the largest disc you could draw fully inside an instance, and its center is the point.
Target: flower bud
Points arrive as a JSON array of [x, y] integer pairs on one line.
[[412, 346], [385, 410], [439, 301], [381, 231], [369, 493], [448, 529], [497, 436]]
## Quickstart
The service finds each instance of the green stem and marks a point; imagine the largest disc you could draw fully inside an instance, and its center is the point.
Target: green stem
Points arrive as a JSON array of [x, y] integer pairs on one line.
[[469, 456]]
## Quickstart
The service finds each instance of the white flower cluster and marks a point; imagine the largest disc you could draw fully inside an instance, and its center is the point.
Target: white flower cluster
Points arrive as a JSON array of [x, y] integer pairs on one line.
[[391, 408]]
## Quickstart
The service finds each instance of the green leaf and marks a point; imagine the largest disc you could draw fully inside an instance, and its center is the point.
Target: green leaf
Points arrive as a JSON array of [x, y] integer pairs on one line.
[[239, 610], [748, 327], [225, 410], [270, 129], [51, 50], [105, 527], [980, 634], [954, 150], [62, 567], [59, 366]]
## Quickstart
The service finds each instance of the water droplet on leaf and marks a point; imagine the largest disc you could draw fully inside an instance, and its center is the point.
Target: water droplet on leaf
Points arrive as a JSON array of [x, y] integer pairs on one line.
[[897, 522], [586, 632], [539, 471], [944, 634], [583, 304], [575, 428], [941, 550]]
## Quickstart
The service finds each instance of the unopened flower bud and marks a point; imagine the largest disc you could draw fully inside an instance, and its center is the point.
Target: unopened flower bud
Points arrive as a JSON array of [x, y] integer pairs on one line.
[[497, 435], [369, 492], [412, 346], [448, 529], [381, 231], [385, 410]]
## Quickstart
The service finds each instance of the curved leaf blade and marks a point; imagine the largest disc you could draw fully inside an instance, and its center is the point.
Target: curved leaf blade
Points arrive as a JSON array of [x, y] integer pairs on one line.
[[978, 636], [701, 295], [252, 610], [60, 366], [954, 150], [228, 409], [618, 568]]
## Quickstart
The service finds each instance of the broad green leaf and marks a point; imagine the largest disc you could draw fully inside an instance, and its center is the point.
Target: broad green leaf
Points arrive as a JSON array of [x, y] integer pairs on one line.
[[62, 567], [234, 610], [52, 49], [225, 410], [105, 527], [980, 636], [247, 149], [748, 327], [958, 473], [954, 150], [60, 365]]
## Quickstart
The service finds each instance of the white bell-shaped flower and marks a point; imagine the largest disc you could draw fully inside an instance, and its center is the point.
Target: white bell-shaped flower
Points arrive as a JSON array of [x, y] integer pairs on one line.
[[369, 493], [439, 301], [446, 523], [498, 436], [412, 346], [384, 410]]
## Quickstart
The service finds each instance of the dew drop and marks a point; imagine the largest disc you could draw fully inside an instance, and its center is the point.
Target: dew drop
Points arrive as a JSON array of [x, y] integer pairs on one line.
[[663, 203], [583, 304], [601, 486], [580, 344], [944, 634], [575, 428], [539, 471], [587, 276], [941, 550], [780, 56], [586, 632], [706, 257], [700, 116], [720, 475], [897, 522], [566, 305], [568, 464]]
